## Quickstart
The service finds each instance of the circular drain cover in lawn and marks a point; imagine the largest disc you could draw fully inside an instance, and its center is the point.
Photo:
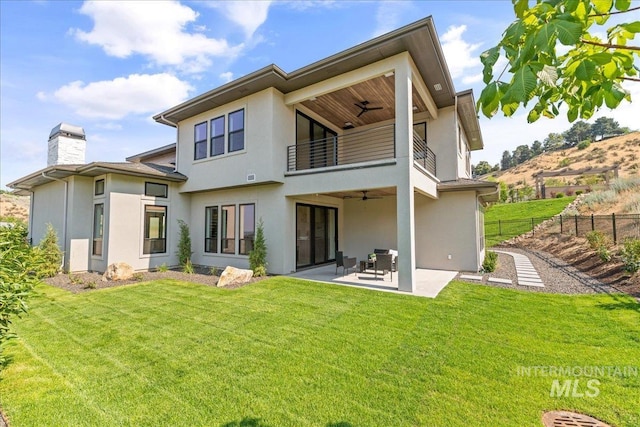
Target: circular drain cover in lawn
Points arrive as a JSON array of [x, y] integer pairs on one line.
[[570, 419]]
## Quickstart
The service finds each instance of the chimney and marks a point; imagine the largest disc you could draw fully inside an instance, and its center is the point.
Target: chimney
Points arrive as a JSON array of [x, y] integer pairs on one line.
[[67, 145]]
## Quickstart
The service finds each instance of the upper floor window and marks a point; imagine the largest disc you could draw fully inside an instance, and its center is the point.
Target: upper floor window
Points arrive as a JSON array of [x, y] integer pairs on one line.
[[236, 131], [217, 136], [99, 187], [200, 141], [156, 190]]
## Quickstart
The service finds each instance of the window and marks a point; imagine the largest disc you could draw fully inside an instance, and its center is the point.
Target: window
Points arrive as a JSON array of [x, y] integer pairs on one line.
[[247, 232], [155, 229], [155, 190], [98, 228], [236, 131], [99, 187], [315, 144], [200, 137], [421, 130], [211, 229], [227, 230], [217, 136]]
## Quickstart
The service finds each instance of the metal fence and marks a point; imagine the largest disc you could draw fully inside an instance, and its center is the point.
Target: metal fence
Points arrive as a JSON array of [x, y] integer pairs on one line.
[[616, 226]]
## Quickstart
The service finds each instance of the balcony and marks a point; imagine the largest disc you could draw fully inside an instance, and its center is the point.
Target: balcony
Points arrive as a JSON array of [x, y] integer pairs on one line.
[[370, 145], [423, 156]]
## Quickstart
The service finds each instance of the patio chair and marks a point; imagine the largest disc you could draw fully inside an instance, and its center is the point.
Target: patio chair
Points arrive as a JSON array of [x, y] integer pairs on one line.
[[384, 262], [349, 263], [339, 261]]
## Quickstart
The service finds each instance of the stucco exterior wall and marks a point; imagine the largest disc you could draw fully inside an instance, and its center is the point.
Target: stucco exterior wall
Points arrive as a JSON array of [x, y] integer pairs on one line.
[[441, 138], [48, 207], [369, 225], [446, 227], [79, 224]]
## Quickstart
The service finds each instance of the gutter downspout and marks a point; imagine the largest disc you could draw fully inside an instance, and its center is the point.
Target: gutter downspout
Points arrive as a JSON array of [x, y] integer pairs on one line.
[[175, 125], [455, 122], [64, 215]]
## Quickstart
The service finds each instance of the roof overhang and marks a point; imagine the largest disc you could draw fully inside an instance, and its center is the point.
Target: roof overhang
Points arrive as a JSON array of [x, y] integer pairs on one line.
[[419, 39], [469, 119], [167, 149], [486, 191], [143, 170]]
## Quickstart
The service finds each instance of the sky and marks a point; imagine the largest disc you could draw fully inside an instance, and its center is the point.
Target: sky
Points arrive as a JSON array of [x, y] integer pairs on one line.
[[109, 66]]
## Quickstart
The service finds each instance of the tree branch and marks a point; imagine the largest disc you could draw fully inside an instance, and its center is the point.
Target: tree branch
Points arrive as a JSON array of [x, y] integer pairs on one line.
[[614, 13], [631, 79], [610, 45]]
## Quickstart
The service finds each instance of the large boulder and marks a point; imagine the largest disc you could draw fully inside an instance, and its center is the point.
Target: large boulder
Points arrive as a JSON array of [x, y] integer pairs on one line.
[[118, 271], [234, 276]]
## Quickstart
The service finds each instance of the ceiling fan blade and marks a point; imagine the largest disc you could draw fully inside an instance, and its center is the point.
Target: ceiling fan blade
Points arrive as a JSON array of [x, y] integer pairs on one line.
[[375, 108], [361, 112]]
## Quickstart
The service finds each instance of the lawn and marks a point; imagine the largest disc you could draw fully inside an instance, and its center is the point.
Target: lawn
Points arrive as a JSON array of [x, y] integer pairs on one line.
[[286, 352], [517, 218]]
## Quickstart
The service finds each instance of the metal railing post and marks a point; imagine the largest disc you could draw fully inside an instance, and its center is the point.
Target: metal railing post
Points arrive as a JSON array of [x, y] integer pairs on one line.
[[499, 228], [561, 224], [576, 220], [592, 224], [615, 233]]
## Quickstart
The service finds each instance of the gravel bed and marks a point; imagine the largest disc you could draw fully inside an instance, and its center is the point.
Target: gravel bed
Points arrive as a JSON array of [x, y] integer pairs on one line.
[[557, 276]]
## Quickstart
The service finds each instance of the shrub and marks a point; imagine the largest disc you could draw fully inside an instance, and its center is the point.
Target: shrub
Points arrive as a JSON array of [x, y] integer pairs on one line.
[[490, 262], [579, 192], [187, 267], [559, 195], [630, 255], [50, 253], [564, 162], [184, 244], [569, 193], [600, 197], [604, 253], [583, 144], [258, 255], [624, 184], [162, 268], [214, 271], [597, 239], [18, 266], [138, 277]]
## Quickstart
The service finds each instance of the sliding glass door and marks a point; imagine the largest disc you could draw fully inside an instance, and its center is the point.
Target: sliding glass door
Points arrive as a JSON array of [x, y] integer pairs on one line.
[[316, 235]]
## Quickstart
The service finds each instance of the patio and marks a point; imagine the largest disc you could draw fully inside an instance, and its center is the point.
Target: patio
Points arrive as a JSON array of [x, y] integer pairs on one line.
[[429, 283]]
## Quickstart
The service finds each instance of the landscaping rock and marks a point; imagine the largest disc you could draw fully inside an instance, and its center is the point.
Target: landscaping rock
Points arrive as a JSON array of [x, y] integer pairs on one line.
[[234, 276], [118, 271]]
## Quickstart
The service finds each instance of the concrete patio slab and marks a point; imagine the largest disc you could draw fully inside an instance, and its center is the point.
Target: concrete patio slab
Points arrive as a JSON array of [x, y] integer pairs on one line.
[[429, 283], [498, 280]]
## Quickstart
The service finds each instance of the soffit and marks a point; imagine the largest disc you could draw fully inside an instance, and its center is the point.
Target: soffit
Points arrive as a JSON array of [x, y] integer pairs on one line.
[[339, 107]]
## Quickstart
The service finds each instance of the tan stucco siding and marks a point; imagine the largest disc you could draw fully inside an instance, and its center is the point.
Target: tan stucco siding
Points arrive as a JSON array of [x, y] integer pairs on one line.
[[79, 224], [447, 226], [441, 138], [48, 208]]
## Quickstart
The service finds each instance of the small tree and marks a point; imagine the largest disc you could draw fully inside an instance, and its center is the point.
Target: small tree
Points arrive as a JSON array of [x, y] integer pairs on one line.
[[258, 255], [184, 244], [50, 253], [18, 261]]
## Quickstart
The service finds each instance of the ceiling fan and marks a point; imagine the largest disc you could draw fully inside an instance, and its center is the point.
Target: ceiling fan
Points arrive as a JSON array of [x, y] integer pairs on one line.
[[364, 106], [364, 196]]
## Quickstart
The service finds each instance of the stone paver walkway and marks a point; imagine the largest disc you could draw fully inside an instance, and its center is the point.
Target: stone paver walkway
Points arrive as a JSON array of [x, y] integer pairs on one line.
[[527, 274]]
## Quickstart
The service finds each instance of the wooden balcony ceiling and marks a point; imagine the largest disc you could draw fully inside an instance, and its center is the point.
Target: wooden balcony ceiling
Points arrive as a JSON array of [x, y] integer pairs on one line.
[[339, 107]]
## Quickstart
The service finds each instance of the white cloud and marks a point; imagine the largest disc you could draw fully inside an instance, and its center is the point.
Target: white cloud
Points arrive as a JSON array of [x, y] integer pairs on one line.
[[473, 78], [109, 126], [389, 16], [459, 54], [114, 99], [155, 29], [226, 77], [249, 15]]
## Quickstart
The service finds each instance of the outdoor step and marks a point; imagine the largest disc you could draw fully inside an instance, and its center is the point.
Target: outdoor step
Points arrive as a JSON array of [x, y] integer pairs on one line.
[[470, 277], [498, 280]]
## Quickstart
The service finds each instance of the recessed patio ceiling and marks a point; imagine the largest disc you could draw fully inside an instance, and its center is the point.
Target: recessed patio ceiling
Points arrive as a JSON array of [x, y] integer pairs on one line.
[[357, 194], [339, 107]]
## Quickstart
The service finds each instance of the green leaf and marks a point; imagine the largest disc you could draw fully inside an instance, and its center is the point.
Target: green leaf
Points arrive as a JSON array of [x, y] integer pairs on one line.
[[572, 114], [509, 108], [571, 5], [488, 59], [610, 70], [632, 27], [568, 32], [545, 38], [603, 6], [623, 4], [522, 85], [490, 99], [585, 70], [533, 116], [601, 58], [520, 7], [514, 32]]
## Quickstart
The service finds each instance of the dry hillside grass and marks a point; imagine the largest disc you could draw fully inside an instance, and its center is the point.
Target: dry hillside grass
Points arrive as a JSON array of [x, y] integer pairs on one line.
[[623, 150], [14, 206]]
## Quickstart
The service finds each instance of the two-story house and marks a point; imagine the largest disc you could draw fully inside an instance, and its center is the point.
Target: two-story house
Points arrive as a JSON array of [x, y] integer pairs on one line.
[[365, 149]]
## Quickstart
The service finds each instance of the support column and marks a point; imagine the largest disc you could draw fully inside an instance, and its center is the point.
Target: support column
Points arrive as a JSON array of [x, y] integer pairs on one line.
[[404, 157]]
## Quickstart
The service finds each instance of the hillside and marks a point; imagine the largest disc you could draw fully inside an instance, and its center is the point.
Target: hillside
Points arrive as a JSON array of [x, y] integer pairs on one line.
[[14, 206], [624, 150]]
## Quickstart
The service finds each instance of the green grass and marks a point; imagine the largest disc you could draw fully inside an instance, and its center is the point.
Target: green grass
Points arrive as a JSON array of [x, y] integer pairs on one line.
[[516, 218], [285, 352]]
